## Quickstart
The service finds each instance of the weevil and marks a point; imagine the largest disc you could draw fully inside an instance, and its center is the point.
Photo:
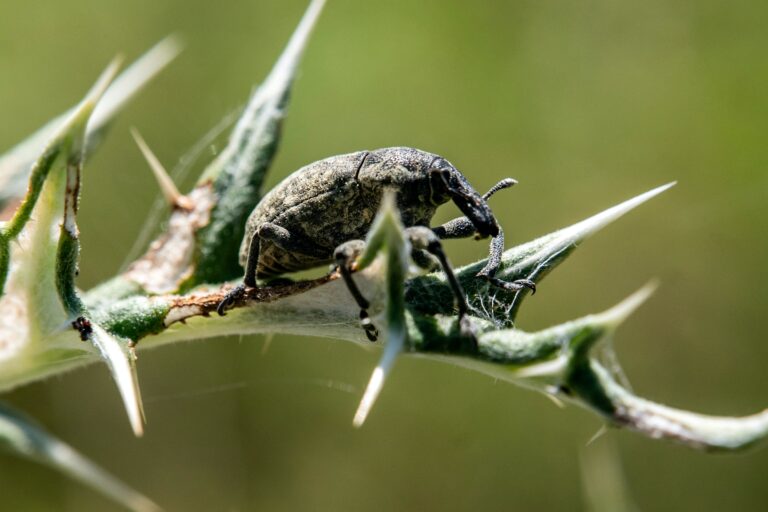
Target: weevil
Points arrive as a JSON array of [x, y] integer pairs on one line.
[[321, 213]]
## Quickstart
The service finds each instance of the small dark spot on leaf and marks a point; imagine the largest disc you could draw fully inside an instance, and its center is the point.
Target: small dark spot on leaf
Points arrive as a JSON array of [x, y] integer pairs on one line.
[[83, 326]]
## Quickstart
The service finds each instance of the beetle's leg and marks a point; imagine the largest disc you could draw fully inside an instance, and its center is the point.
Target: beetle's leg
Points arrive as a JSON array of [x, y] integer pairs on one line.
[[345, 256], [289, 242], [423, 238], [249, 279], [279, 236], [462, 227], [425, 260], [488, 272]]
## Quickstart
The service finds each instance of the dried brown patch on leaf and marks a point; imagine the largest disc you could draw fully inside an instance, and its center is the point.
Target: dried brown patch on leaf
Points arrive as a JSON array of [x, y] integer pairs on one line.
[[169, 259], [205, 303]]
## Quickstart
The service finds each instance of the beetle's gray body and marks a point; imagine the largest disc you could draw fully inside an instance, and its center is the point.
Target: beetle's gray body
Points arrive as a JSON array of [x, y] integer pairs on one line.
[[322, 213], [334, 200]]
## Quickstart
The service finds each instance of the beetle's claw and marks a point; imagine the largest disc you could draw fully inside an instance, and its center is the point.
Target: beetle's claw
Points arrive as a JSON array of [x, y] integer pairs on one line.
[[526, 283], [512, 286], [234, 295], [221, 309], [371, 332]]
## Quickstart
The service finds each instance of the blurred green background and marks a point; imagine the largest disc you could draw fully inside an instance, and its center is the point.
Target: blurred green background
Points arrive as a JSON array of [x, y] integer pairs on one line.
[[585, 103]]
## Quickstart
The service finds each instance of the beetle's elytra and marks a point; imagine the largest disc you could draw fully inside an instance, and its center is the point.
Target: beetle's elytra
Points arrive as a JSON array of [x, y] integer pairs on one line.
[[321, 213]]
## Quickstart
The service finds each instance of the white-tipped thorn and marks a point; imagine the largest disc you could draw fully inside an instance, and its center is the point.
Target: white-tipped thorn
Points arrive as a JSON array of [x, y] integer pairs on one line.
[[369, 397], [122, 366], [171, 193], [620, 312], [551, 393], [103, 82], [392, 349], [597, 435]]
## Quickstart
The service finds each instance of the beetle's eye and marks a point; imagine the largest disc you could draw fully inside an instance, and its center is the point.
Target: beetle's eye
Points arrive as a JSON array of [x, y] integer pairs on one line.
[[442, 168], [445, 177], [439, 186]]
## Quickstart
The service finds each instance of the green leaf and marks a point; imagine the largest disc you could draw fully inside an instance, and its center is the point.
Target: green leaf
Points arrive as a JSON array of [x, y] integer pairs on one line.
[[47, 266], [657, 421], [532, 260], [116, 353], [561, 361], [386, 235], [551, 353], [65, 148], [238, 173], [21, 436], [17, 163], [68, 252]]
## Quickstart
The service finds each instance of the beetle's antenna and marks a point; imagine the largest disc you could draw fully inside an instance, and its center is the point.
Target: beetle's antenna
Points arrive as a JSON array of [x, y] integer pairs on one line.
[[171, 193], [505, 183]]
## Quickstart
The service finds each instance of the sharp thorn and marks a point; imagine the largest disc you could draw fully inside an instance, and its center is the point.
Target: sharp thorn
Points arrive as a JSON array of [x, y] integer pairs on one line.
[[167, 186], [369, 397]]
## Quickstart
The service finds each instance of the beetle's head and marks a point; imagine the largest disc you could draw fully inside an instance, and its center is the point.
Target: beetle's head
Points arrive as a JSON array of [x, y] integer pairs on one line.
[[447, 181]]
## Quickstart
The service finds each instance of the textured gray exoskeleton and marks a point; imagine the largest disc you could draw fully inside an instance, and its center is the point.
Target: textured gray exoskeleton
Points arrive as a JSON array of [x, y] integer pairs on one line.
[[321, 213]]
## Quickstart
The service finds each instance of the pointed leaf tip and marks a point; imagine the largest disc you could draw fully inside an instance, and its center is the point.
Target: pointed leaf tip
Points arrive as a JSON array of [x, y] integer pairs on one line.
[[104, 80], [278, 82], [133, 79], [542, 254], [285, 67], [238, 172], [170, 192], [595, 223], [80, 116], [386, 234], [395, 345], [264, 107], [606, 322], [120, 362], [16, 164], [20, 435], [375, 384], [621, 311], [534, 260]]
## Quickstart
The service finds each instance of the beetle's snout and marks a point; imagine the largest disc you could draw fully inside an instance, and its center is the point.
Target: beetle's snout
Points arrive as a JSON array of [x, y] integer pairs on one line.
[[471, 204], [490, 228], [480, 215], [474, 206]]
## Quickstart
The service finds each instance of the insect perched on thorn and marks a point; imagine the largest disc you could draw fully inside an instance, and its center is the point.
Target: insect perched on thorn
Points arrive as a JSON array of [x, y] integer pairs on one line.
[[321, 213], [83, 326]]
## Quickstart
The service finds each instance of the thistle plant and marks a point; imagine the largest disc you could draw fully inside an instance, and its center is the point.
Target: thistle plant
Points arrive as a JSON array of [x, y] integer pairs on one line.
[[48, 325]]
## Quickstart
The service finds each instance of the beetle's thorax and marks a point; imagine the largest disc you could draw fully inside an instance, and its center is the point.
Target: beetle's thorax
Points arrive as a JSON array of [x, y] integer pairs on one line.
[[407, 172]]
